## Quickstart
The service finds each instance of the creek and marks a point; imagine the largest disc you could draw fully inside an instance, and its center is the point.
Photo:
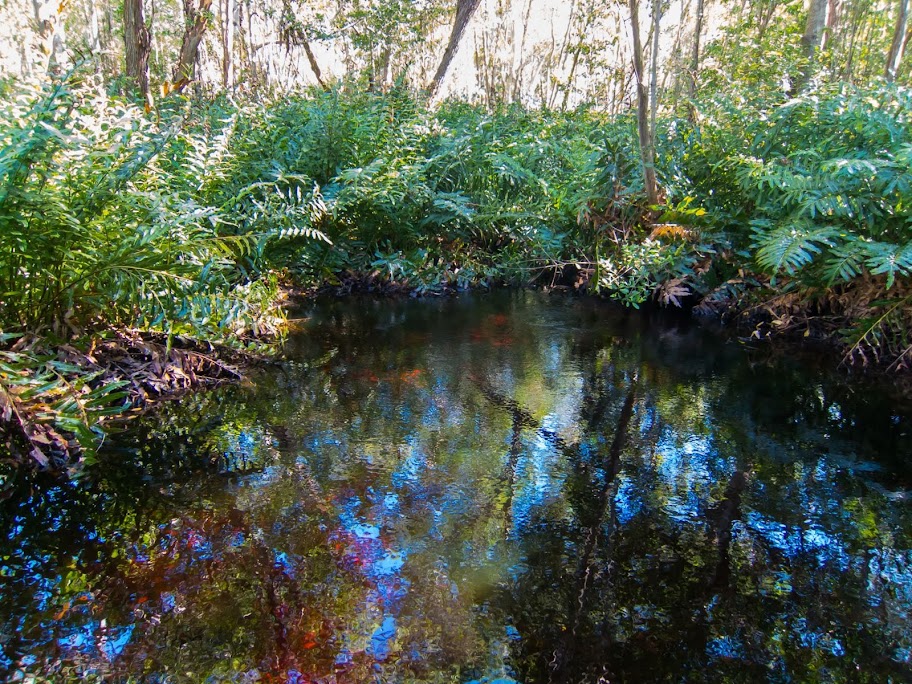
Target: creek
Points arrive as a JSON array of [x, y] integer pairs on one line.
[[510, 487]]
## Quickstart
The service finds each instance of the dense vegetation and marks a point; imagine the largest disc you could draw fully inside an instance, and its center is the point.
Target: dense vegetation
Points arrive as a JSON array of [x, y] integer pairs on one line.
[[781, 193]]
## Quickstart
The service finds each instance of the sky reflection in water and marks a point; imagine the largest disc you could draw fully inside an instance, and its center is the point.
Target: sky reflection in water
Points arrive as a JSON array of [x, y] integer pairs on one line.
[[425, 492]]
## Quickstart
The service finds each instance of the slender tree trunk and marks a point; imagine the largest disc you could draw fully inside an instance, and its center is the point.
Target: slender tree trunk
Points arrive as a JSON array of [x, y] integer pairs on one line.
[[813, 39], [833, 31], [112, 64], [387, 65], [849, 73], [765, 14], [654, 68], [312, 60], [228, 44], [675, 62], [51, 36], [619, 73], [464, 11], [483, 67], [555, 87], [95, 33], [242, 66], [257, 70], [521, 66], [905, 45], [647, 146], [578, 50], [894, 56], [197, 19], [372, 71], [137, 46], [872, 33], [695, 51]]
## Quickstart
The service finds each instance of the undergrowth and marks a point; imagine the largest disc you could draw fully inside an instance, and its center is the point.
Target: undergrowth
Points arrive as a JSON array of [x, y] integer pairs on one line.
[[185, 223], [107, 222]]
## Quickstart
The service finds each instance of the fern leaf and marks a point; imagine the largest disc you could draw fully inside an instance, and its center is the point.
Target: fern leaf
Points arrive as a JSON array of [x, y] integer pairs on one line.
[[890, 259], [846, 262], [791, 247]]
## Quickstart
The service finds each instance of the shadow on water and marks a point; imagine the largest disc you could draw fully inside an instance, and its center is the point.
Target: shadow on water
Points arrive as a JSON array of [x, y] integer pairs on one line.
[[485, 489]]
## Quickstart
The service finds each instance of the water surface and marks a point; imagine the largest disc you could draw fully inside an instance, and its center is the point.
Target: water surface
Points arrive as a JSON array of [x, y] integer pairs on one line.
[[495, 488]]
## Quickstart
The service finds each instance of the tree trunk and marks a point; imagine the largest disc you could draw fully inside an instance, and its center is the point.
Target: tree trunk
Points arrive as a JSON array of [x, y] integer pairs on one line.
[[383, 67], [619, 77], [906, 40], [578, 50], [520, 68], [833, 26], [654, 68], [849, 73], [813, 39], [695, 51], [292, 34], [814, 34], [228, 45], [137, 46], [647, 146], [51, 35], [197, 19], [872, 35], [312, 60], [95, 34], [464, 11], [765, 13], [675, 66], [562, 57], [894, 57], [110, 62]]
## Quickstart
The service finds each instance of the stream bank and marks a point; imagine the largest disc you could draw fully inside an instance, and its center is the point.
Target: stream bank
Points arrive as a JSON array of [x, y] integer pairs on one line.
[[74, 393]]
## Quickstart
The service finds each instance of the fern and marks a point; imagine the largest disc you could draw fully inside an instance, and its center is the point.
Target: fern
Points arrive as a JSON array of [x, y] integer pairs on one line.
[[104, 219], [846, 261], [892, 260], [876, 334], [448, 207], [792, 246], [42, 397]]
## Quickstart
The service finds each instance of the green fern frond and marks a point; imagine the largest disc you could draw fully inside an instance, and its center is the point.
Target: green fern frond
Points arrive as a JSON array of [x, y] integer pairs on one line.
[[792, 246], [846, 261], [890, 259]]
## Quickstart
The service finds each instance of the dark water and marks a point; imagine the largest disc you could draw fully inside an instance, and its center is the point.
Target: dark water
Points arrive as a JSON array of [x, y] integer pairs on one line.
[[488, 489]]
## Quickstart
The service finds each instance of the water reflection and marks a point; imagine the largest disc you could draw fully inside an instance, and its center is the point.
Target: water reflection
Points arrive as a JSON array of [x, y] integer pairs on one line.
[[503, 488]]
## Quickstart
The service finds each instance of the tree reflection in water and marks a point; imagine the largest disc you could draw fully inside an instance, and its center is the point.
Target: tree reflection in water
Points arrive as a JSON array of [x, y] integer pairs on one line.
[[506, 487]]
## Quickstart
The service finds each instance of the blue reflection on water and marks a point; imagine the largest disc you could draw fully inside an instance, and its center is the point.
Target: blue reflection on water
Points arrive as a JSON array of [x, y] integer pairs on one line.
[[382, 638], [422, 507]]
